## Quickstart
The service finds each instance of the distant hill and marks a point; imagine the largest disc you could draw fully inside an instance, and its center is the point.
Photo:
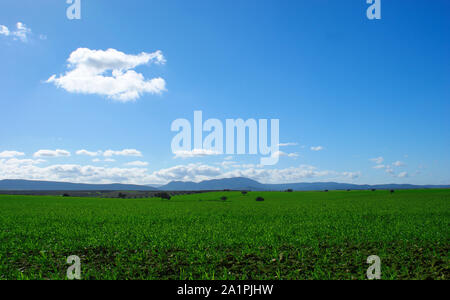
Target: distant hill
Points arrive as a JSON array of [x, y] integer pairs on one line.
[[29, 185], [240, 183]]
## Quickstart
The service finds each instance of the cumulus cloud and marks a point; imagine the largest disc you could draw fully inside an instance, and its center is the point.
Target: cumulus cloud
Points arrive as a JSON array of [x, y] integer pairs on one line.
[[21, 33], [125, 152], [9, 154], [226, 164], [51, 153], [137, 164], [377, 160], [135, 172], [4, 30], [195, 153], [318, 148], [15, 162], [290, 175], [88, 153], [190, 172], [110, 73]]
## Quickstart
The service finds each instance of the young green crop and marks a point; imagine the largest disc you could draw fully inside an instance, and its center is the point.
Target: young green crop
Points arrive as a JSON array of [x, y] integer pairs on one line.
[[300, 235]]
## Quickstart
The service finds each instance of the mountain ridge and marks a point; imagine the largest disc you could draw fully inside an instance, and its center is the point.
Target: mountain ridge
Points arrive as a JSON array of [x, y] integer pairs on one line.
[[236, 183], [29, 185], [242, 183]]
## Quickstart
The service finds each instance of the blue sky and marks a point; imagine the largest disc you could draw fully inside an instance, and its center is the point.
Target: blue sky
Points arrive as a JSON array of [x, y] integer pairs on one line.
[[372, 95]]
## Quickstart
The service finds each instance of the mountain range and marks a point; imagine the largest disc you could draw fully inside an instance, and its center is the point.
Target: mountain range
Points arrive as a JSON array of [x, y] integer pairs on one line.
[[238, 183], [30, 185]]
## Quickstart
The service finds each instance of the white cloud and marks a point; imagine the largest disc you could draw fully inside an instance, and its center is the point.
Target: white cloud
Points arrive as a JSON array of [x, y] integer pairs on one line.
[[9, 154], [287, 144], [195, 153], [137, 164], [281, 153], [110, 73], [125, 152], [190, 172], [227, 164], [290, 175], [398, 164], [379, 167], [377, 160], [389, 170], [109, 160], [351, 175], [51, 153], [318, 148], [73, 173], [21, 33], [135, 173], [88, 153], [403, 175], [4, 30], [15, 162]]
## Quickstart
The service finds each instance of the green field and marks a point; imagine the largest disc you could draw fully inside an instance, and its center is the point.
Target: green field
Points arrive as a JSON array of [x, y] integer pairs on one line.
[[304, 235]]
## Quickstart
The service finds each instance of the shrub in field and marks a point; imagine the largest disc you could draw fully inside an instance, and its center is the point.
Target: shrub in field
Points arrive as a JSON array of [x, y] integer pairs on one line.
[[290, 191], [66, 195], [392, 191], [122, 195], [164, 195], [244, 193], [373, 190], [223, 198], [326, 191], [260, 199]]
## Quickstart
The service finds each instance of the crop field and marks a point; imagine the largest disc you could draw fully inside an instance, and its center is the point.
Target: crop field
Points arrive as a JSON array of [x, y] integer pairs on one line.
[[300, 235]]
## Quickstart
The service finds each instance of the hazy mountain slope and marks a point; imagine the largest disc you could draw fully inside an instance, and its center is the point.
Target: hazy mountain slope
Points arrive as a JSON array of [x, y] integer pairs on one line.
[[29, 185]]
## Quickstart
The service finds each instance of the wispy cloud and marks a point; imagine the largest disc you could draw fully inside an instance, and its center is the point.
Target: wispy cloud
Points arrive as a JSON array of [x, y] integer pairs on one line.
[[88, 153], [125, 152], [317, 148], [281, 153], [10, 154], [287, 144], [398, 164], [21, 33], [51, 153], [137, 164], [403, 175], [377, 160], [195, 153], [379, 167]]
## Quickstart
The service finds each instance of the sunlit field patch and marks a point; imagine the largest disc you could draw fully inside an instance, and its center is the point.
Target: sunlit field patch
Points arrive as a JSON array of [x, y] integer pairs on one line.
[[300, 235]]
